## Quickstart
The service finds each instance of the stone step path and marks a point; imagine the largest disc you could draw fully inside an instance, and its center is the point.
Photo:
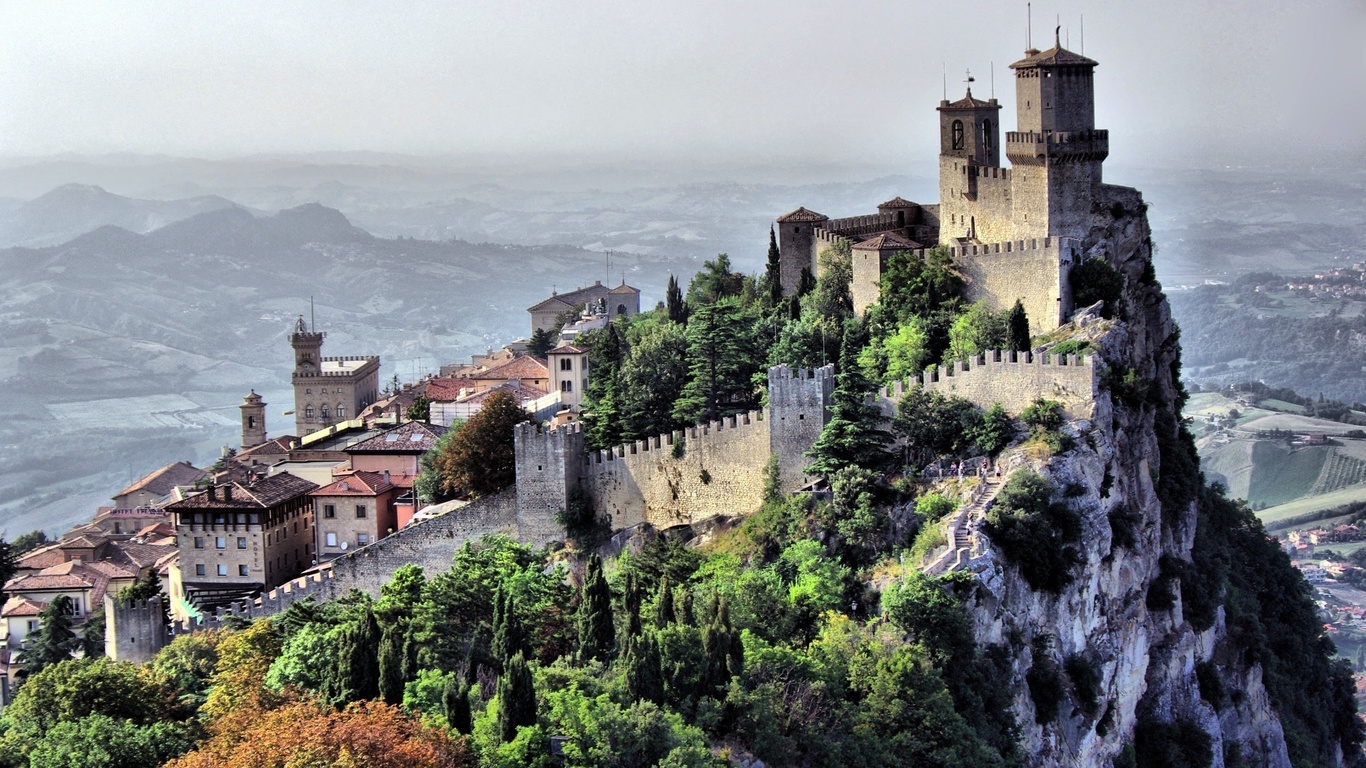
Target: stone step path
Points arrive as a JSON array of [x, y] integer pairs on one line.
[[959, 527]]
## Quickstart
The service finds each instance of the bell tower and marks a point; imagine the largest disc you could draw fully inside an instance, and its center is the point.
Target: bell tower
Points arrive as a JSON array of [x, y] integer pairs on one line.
[[253, 420], [969, 148], [308, 347]]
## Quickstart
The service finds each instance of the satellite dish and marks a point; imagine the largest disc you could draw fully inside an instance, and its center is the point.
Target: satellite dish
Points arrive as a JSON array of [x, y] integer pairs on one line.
[[343, 546]]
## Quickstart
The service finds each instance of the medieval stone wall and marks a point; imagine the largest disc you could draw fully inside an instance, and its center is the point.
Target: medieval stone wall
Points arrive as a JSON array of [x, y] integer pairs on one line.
[[134, 629], [1013, 379], [690, 475], [1032, 271]]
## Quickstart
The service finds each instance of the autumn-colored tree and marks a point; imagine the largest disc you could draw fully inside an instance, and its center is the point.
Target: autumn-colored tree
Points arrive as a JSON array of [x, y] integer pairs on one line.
[[238, 694], [479, 460], [305, 733]]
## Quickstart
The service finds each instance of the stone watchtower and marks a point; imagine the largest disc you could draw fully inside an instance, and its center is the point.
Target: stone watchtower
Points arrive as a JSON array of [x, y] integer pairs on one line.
[[253, 420], [1057, 152], [797, 246], [969, 143]]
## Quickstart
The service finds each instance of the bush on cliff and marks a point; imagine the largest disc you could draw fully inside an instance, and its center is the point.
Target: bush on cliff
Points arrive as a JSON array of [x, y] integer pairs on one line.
[[1034, 533]]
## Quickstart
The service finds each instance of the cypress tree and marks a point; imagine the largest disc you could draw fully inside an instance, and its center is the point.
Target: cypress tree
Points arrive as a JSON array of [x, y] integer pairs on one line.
[[516, 698], [455, 700], [1019, 328], [391, 678], [54, 641], [683, 612], [854, 435], [673, 298], [509, 637], [357, 671], [664, 604], [806, 283], [602, 418], [631, 606], [644, 670], [773, 271], [597, 637]]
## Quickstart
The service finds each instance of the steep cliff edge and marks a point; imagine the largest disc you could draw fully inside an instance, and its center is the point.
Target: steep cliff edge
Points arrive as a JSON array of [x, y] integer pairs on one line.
[[1160, 638]]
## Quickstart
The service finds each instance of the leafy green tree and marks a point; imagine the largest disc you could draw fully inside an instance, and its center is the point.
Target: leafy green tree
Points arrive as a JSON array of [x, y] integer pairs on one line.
[[899, 356], [92, 634], [1035, 533], [100, 741], [602, 407], [27, 543], [976, 330], [479, 459], [54, 641], [597, 637], [429, 483], [832, 296], [541, 342], [995, 430], [715, 282], [854, 435], [807, 342], [932, 424], [420, 410], [674, 305], [1018, 324], [516, 698], [720, 363], [652, 378], [186, 664]]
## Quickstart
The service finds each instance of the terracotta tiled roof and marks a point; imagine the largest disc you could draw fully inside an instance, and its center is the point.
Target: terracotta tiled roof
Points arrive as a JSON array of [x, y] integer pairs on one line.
[[801, 214], [137, 556], [40, 582], [521, 368], [447, 390], [265, 493], [44, 557], [82, 542], [624, 288], [898, 202], [572, 299], [567, 349], [355, 484], [272, 447], [21, 606], [1057, 56], [887, 241], [410, 437], [161, 481], [971, 102], [523, 392]]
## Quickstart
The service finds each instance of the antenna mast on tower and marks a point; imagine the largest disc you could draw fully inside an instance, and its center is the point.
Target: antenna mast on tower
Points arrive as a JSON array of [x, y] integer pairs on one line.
[[312, 317], [1029, 26], [993, 79], [1083, 34]]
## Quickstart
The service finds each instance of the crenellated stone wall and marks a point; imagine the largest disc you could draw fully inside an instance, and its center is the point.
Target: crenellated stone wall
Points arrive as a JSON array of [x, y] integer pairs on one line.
[[134, 629], [1013, 379]]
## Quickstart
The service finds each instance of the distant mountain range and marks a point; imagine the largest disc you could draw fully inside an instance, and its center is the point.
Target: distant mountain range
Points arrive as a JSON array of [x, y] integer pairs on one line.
[[75, 209]]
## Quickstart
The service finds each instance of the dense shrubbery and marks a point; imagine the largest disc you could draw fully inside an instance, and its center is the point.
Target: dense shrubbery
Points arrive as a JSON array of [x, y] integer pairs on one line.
[[1095, 280], [1035, 533]]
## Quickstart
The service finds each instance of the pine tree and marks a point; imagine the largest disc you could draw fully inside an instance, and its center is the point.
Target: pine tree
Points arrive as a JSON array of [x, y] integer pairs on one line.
[[455, 701], [1019, 328], [854, 435], [664, 604], [683, 612], [541, 342], [631, 607], [720, 363], [602, 417], [677, 309], [391, 665], [54, 641], [516, 698], [597, 638], [773, 272], [644, 671]]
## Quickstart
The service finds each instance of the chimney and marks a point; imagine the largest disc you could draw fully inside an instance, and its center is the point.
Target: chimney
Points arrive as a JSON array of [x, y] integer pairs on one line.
[[227, 492], [213, 491], [386, 475]]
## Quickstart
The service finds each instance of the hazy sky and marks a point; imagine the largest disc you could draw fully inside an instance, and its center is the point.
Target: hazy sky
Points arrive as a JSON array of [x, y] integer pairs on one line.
[[710, 81]]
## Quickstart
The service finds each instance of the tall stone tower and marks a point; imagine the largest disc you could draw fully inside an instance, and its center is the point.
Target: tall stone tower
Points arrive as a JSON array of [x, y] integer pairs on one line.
[[969, 142], [308, 348], [1057, 152], [328, 390], [797, 246], [253, 420]]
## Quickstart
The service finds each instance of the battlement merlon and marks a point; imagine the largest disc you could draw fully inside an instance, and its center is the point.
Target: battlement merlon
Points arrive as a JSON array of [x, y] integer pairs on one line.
[[1034, 148], [1013, 379]]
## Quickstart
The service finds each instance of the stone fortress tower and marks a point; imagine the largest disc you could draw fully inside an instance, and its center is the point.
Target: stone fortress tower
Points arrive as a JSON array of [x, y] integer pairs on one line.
[[1013, 232], [253, 420], [328, 390]]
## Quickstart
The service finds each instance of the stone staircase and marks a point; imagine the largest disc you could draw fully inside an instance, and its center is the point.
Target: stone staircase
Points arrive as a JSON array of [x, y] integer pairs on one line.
[[960, 528]]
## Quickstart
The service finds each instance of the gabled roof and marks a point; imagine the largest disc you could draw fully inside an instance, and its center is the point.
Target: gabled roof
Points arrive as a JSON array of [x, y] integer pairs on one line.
[[624, 288], [263, 494], [1057, 56], [409, 437], [526, 367], [565, 348], [800, 215], [572, 299], [447, 390], [272, 447], [971, 102], [43, 557], [355, 484], [522, 392], [898, 202], [887, 241], [164, 480], [21, 606]]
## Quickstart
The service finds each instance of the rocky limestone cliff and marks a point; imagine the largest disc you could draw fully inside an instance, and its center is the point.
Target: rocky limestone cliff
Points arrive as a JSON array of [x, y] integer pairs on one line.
[[1146, 658]]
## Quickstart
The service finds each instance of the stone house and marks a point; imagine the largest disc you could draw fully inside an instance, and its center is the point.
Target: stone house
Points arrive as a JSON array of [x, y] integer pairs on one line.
[[568, 366], [622, 301], [356, 509], [239, 539], [153, 488]]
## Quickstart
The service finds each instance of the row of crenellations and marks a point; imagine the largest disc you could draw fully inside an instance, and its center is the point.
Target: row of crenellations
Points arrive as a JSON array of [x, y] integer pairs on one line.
[[669, 439], [987, 360]]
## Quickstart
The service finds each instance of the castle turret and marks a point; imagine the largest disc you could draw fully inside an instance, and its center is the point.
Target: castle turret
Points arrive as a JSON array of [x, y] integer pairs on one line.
[[969, 141], [253, 420], [1057, 152], [797, 246]]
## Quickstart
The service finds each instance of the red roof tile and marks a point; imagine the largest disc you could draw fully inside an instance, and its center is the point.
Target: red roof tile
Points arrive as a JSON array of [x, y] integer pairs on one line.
[[887, 241], [355, 484], [898, 202], [263, 494], [164, 480], [410, 437], [802, 215], [969, 102], [1057, 56], [520, 368], [22, 606]]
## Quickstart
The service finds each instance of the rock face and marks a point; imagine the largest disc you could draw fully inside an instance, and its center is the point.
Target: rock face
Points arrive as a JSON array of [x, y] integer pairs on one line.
[[1146, 658]]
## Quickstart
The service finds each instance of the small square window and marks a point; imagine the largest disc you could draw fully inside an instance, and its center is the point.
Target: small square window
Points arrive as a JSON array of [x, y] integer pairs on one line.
[[331, 539], [199, 542], [329, 511], [199, 569], [242, 570], [222, 569], [220, 542], [241, 542], [360, 511], [362, 539]]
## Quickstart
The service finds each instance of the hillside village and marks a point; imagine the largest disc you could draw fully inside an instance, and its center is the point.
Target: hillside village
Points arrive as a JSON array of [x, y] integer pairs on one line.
[[977, 395]]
